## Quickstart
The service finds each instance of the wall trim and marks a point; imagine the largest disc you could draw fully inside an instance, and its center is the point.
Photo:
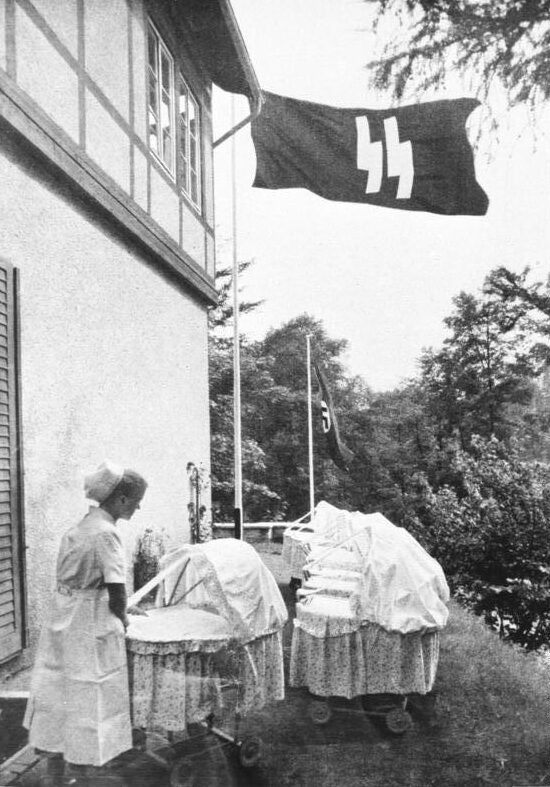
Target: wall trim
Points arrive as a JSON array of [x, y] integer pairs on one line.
[[85, 82], [26, 118]]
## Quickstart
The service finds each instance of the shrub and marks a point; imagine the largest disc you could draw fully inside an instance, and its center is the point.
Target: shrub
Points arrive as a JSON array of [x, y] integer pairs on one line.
[[150, 549], [492, 536]]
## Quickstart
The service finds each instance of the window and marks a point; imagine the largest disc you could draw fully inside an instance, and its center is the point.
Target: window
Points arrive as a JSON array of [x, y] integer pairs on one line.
[[12, 637], [161, 100], [190, 144], [162, 123]]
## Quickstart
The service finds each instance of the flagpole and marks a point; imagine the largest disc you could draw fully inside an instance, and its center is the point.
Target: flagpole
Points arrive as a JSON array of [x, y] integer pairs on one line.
[[310, 429], [237, 511]]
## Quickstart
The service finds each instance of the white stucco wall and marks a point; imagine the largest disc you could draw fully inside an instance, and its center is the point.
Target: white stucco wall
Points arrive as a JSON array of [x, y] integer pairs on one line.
[[114, 364]]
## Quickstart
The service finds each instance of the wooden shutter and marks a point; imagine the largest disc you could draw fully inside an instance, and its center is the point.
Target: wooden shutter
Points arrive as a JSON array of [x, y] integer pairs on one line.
[[11, 534]]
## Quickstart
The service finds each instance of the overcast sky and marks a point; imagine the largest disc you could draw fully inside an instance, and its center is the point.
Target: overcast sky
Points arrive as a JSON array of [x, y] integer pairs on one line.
[[382, 279]]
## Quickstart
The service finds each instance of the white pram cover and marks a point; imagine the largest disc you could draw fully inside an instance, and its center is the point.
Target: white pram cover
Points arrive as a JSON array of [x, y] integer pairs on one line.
[[400, 586], [231, 579]]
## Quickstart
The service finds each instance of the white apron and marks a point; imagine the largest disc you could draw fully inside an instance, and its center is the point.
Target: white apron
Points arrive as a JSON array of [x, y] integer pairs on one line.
[[79, 698]]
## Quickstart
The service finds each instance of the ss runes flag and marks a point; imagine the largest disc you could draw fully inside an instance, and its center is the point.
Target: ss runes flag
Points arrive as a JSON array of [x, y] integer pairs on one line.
[[415, 157]]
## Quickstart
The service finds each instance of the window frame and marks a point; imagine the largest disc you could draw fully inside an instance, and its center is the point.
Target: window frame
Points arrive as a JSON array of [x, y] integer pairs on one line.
[[185, 139], [160, 50]]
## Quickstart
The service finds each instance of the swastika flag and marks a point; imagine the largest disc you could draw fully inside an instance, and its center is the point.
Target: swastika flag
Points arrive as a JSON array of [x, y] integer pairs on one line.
[[339, 453], [416, 157]]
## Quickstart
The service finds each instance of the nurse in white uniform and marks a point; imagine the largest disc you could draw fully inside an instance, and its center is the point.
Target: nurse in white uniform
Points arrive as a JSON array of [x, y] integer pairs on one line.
[[78, 710]]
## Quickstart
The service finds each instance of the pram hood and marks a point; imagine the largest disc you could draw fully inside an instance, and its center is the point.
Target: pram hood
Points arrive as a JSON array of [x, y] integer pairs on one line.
[[401, 587], [228, 577], [331, 524]]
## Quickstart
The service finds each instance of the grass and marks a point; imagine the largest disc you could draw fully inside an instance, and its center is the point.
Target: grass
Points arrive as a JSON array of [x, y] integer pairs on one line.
[[492, 726], [493, 708]]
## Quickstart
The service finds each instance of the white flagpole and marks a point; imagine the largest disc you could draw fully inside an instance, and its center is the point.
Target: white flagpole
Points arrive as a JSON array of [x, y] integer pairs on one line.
[[237, 513], [310, 429]]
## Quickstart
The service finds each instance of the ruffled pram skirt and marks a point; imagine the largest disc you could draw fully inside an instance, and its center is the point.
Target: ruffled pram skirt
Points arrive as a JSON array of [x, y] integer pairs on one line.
[[173, 686], [370, 660]]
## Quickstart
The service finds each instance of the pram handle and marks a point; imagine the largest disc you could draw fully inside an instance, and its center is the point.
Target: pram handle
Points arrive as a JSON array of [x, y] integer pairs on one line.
[[136, 597], [292, 526]]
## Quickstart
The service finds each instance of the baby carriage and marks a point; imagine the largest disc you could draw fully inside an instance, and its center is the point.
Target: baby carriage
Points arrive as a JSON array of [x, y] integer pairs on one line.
[[213, 639], [367, 623]]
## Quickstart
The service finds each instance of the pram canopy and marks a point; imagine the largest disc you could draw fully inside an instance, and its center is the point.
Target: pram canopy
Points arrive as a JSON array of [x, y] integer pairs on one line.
[[400, 586], [228, 577]]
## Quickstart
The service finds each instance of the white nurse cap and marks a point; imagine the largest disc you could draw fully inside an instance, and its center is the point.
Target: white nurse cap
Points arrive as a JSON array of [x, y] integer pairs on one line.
[[99, 484]]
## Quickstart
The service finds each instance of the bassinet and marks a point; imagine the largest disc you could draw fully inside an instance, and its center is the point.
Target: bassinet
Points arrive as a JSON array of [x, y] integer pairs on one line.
[[217, 622]]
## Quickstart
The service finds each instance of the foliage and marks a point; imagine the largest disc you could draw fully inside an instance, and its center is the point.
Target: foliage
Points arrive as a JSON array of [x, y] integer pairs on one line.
[[493, 538], [483, 367], [518, 610], [221, 315], [498, 525], [150, 548], [497, 40]]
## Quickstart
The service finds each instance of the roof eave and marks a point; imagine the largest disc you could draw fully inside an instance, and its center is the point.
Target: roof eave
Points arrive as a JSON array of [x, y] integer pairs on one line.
[[241, 52]]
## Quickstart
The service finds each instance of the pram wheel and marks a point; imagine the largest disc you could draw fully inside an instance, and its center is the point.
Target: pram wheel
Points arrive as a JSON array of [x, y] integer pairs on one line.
[[184, 774], [319, 712], [250, 751], [398, 721]]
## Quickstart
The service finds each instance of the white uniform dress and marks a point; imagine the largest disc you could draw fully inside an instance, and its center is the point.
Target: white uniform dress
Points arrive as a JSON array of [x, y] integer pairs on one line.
[[79, 699]]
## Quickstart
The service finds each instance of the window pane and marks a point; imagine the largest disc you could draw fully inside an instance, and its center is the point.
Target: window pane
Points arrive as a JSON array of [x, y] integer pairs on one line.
[[192, 112], [165, 109], [153, 133], [184, 174], [194, 187], [193, 152], [153, 51], [194, 118], [153, 98], [183, 106], [166, 124], [167, 147], [166, 77]]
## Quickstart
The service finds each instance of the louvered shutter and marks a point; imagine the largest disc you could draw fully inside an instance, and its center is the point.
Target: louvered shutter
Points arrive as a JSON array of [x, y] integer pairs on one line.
[[11, 556]]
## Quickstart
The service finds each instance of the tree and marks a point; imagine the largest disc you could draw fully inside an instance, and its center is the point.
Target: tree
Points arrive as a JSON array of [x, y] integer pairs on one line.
[[281, 415], [483, 368], [392, 438], [507, 41], [530, 302]]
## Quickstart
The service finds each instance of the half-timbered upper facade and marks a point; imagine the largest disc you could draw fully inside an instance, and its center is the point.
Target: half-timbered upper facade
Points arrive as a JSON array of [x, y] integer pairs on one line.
[[106, 262]]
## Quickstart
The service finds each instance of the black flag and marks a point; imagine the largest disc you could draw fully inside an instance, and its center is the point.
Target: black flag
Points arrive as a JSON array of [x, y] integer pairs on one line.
[[416, 157], [340, 453]]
